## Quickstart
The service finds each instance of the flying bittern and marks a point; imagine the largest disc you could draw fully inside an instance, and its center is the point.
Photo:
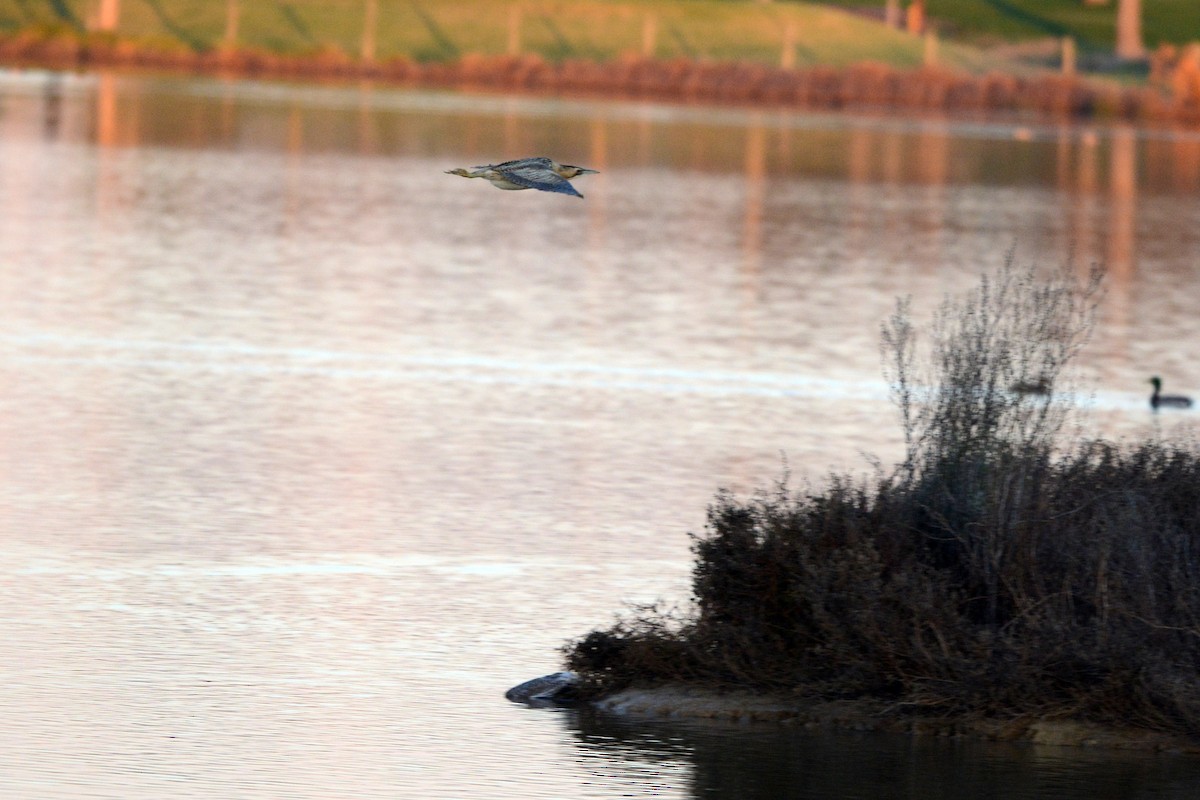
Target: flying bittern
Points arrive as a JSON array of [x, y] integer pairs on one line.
[[528, 173]]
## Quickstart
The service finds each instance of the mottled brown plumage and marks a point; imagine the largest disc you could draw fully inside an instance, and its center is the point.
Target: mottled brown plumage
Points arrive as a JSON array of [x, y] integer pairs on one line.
[[544, 174]]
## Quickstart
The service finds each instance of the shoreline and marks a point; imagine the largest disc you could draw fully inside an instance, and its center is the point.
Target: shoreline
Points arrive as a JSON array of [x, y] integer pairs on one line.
[[866, 86], [679, 701]]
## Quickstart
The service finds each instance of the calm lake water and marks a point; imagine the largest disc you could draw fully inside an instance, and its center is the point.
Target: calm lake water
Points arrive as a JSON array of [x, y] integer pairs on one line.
[[310, 451]]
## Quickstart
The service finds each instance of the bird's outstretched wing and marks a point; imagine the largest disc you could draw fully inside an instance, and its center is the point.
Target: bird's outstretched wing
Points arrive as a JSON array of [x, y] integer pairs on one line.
[[537, 177], [537, 161]]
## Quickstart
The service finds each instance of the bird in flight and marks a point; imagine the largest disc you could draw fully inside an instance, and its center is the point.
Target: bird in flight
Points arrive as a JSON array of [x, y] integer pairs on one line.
[[528, 173]]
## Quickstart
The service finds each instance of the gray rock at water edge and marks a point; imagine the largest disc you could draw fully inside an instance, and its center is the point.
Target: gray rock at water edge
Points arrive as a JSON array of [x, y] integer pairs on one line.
[[548, 690]]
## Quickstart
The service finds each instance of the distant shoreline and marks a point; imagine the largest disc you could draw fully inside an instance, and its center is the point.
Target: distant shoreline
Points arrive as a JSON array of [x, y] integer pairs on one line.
[[866, 86]]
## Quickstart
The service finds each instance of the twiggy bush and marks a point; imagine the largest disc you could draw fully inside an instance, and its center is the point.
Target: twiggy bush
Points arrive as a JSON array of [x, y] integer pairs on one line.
[[998, 570], [980, 449]]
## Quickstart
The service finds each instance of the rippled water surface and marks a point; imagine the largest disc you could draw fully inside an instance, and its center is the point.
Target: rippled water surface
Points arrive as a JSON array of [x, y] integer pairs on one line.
[[309, 450]]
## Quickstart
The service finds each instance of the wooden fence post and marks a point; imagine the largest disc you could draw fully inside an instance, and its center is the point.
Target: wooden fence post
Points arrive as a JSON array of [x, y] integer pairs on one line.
[[109, 16], [1129, 29], [891, 13], [514, 30], [915, 17], [232, 15], [370, 19], [787, 59], [930, 58], [1068, 55], [649, 35]]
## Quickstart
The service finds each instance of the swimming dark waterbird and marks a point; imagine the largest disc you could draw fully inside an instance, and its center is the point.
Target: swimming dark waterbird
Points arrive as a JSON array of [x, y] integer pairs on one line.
[[1039, 385], [544, 174], [1159, 400]]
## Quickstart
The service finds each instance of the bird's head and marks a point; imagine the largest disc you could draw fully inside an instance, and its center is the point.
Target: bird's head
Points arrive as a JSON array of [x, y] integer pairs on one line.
[[569, 171], [1156, 382]]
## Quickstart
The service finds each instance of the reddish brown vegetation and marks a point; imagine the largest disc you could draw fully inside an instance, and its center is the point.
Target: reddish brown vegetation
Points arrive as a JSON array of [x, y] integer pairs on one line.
[[1174, 97], [1179, 71]]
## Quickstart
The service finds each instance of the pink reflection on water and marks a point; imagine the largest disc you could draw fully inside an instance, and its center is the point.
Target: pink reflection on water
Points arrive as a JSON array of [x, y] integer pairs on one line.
[[310, 451]]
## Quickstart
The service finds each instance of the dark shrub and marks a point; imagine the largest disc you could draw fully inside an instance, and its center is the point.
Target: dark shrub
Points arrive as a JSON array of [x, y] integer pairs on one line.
[[995, 572]]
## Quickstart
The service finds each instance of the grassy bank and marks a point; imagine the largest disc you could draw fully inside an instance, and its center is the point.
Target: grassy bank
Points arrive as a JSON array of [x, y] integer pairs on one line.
[[554, 30], [1002, 570], [783, 55], [987, 22], [439, 30]]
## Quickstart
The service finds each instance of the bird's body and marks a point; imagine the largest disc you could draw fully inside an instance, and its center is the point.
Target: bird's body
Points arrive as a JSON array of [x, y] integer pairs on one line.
[[1038, 386], [544, 174], [1159, 400]]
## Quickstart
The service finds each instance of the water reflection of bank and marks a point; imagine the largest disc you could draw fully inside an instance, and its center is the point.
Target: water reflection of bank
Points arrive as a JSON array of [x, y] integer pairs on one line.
[[936, 192], [713, 761], [1099, 172], [251, 326]]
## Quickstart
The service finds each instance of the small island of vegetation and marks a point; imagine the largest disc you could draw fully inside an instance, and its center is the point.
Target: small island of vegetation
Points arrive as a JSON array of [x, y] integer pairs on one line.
[[1007, 572]]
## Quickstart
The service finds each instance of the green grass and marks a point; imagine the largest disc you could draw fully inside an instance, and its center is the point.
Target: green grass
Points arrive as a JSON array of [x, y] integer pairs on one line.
[[604, 30], [987, 22], [436, 30]]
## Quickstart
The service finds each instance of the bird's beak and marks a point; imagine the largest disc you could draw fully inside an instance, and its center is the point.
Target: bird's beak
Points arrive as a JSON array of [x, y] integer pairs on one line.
[[586, 171]]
